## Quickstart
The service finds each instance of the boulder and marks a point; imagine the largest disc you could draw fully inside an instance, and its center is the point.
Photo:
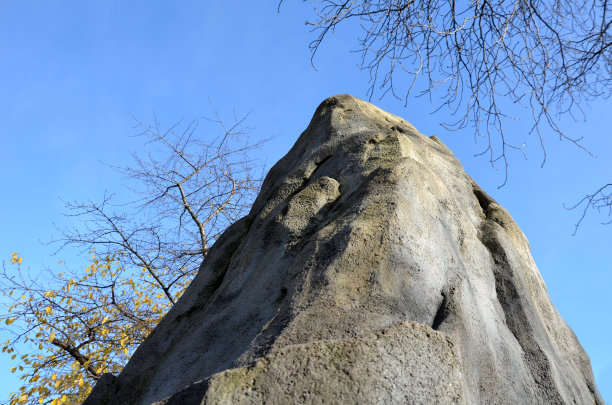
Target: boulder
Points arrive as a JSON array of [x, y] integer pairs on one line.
[[370, 269]]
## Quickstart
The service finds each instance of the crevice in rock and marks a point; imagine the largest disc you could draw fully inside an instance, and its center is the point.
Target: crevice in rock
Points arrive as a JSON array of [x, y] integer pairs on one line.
[[306, 179], [318, 165], [483, 198], [513, 300], [285, 191], [593, 391], [282, 295], [399, 129], [318, 222], [442, 313]]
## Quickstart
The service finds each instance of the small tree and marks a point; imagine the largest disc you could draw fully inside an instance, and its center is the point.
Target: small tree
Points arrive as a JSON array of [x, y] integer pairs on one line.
[[71, 328], [76, 326]]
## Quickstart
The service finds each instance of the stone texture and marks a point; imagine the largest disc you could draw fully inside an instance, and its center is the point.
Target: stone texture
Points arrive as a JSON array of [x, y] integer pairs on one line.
[[396, 365], [371, 269]]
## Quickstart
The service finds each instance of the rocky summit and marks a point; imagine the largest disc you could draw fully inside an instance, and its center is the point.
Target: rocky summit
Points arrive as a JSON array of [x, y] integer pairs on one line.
[[371, 269]]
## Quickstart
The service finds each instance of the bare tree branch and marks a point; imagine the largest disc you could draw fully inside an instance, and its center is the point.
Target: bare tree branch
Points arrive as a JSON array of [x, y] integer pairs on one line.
[[186, 198], [600, 201], [546, 56]]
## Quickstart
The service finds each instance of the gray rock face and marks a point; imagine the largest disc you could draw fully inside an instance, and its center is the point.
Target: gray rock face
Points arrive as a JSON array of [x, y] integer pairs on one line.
[[371, 269]]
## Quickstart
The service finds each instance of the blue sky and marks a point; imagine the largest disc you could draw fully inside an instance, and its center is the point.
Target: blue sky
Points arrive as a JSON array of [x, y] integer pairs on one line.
[[72, 72]]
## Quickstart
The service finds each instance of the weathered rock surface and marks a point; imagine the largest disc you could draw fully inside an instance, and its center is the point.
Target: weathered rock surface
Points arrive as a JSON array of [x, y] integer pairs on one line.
[[396, 365], [371, 269]]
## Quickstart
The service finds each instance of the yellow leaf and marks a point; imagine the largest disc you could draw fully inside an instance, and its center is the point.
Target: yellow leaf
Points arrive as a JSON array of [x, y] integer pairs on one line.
[[9, 321], [51, 337], [48, 310], [49, 294], [81, 382], [23, 398], [60, 262]]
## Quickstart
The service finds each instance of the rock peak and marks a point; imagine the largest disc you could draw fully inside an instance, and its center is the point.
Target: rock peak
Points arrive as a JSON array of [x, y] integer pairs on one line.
[[370, 269]]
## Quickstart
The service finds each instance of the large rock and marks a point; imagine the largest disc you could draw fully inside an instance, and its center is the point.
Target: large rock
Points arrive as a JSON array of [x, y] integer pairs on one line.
[[371, 269]]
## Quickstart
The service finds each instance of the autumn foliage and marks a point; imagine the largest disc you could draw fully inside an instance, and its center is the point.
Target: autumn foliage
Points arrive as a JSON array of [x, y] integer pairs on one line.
[[70, 327], [79, 326]]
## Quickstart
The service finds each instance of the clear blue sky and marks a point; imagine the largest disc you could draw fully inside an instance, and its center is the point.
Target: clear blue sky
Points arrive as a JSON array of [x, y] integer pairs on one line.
[[71, 72]]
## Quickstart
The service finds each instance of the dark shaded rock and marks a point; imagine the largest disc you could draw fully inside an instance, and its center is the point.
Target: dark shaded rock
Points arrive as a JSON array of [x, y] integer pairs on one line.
[[105, 390], [371, 269]]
